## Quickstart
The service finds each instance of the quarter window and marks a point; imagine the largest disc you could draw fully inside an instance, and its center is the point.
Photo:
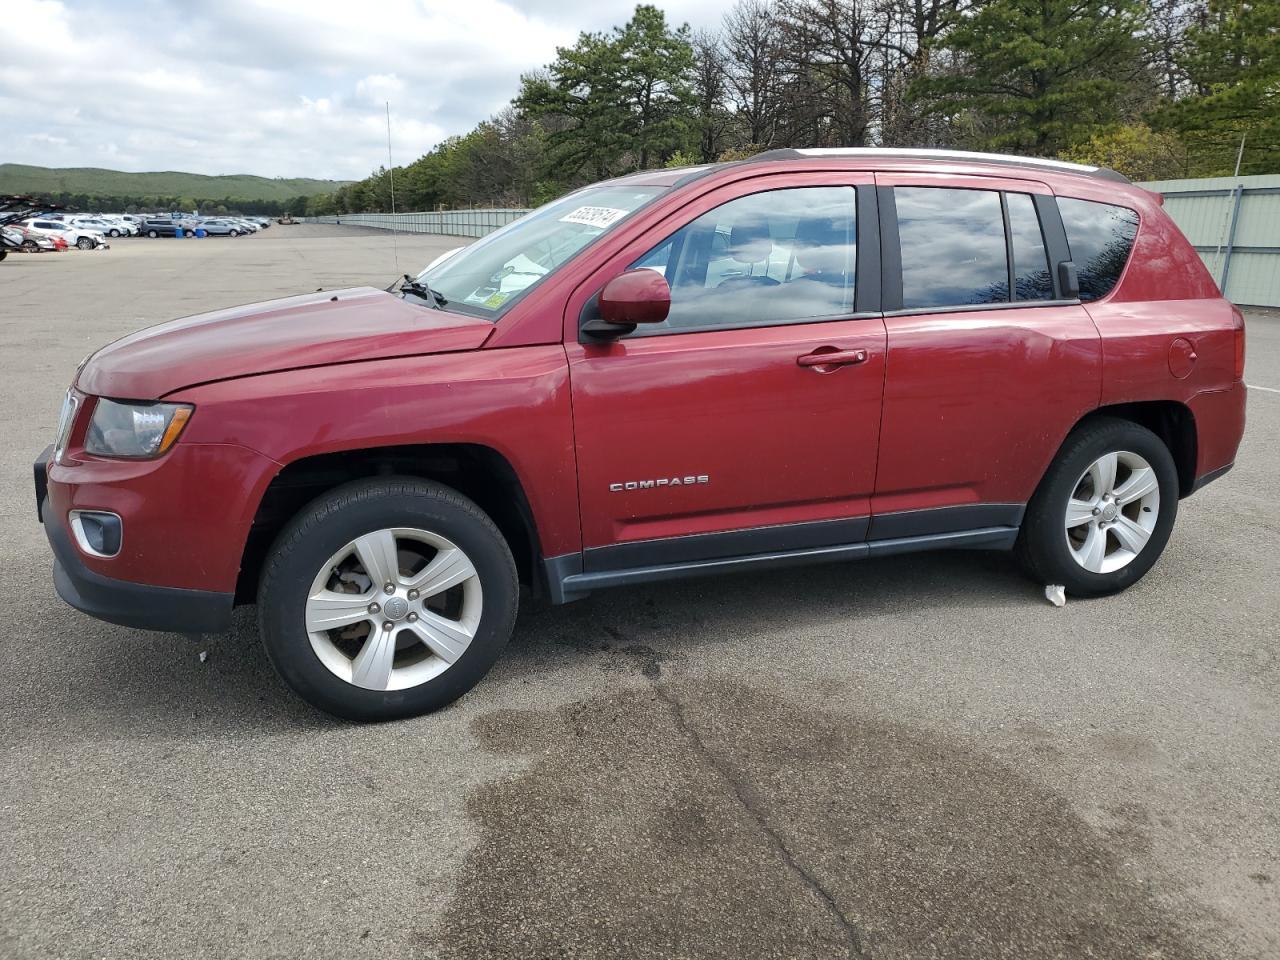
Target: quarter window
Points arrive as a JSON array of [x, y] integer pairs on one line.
[[953, 248], [1101, 237], [784, 256]]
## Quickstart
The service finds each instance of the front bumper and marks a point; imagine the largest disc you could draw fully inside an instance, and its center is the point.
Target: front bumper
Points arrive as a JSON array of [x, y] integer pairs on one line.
[[146, 607]]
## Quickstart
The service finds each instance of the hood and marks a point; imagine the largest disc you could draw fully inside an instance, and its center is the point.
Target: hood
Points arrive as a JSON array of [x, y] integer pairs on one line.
[[336, 326]]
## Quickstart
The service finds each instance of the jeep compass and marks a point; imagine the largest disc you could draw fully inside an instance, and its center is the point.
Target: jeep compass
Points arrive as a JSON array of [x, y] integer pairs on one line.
[[811, 355]]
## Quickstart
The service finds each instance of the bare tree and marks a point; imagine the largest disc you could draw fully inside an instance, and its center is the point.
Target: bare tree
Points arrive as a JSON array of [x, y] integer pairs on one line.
[[712, 118], [829, 50], [751, 36]]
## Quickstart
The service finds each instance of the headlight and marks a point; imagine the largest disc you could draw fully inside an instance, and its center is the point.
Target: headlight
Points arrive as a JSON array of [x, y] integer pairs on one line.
[[139, 430]]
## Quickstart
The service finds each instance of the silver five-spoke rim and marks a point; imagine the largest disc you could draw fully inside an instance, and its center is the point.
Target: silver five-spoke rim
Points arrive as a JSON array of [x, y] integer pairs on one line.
[[1112, 511], [394, 608]]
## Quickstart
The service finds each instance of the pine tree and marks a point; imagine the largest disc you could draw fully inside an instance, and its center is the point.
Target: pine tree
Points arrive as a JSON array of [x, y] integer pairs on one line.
[[1036, 75]]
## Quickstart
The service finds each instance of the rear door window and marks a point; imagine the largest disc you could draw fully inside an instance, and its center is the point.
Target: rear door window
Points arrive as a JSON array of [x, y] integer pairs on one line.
[[953, 247], [1101, 237], [1031, 277]]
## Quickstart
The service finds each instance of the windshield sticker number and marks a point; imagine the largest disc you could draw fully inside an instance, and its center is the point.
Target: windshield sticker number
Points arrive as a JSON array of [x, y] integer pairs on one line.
[[594, 216]]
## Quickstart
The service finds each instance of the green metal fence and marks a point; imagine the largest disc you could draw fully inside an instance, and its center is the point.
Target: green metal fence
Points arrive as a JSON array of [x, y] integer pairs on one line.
[[457, 223], [1234, 223]]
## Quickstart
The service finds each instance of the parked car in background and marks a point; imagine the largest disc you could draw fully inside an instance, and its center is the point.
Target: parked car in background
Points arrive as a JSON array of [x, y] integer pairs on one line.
[[125, 227], [940, 350], [82, 237], [218, 227], [105, 227], [160, 227], [263, 222]]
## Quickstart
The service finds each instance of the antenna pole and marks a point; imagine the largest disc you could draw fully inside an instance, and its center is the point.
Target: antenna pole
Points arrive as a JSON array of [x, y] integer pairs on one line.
[[391, 172]]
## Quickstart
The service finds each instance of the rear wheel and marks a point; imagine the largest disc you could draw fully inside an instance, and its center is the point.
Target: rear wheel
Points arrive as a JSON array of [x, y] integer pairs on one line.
[[152, 234], [1104, 511], [387, 598], [30, 246]]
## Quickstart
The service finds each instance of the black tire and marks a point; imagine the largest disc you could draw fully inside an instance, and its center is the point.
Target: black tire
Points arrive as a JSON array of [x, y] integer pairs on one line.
[[86, 243], [30, 246], [1042, 548], [235, 233], [152, 234], [337, 518], [113, 233]]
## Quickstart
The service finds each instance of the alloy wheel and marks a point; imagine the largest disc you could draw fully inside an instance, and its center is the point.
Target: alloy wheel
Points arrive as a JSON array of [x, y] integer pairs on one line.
[[394, 608], [1112, 511]]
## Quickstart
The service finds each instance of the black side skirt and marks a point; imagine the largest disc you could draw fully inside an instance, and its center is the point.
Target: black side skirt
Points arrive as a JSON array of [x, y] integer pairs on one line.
[[981, 526]]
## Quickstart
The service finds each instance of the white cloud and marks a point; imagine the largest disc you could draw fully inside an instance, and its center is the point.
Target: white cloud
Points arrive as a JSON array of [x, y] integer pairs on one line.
[[286, 88]]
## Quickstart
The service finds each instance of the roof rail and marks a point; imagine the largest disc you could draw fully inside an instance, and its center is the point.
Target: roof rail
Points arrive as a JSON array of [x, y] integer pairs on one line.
[[906, 153]]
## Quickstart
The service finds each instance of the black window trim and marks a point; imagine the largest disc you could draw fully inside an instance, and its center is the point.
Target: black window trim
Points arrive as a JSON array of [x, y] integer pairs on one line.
[[867, 276], [1051, 229]]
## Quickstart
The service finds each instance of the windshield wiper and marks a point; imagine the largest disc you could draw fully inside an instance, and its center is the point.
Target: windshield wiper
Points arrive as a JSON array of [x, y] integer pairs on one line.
[[422, 290]]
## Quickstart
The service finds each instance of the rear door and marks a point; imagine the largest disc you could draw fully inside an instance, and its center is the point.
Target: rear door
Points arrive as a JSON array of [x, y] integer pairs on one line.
[[719, 432], [989, 364]]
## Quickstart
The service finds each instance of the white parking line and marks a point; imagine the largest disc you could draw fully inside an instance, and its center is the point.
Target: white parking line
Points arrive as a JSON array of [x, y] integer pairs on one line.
[[1254, 386]]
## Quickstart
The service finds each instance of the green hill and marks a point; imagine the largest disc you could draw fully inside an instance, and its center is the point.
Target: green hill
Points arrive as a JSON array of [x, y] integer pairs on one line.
[[92, 181]]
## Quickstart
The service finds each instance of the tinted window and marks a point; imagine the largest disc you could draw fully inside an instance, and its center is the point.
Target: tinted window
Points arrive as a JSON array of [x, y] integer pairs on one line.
[[776, 257], [1100, 236], [1031, 278], [953, 250]]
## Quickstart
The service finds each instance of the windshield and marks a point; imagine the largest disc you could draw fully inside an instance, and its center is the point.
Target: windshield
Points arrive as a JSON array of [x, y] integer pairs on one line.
[[486, 278]]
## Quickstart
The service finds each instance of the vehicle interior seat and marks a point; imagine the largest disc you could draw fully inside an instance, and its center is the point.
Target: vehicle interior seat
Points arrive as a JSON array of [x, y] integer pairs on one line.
[[750, 243], [823, 251]]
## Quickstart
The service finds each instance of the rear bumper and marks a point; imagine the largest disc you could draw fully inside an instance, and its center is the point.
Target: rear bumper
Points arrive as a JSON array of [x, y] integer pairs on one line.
[[140, 605]]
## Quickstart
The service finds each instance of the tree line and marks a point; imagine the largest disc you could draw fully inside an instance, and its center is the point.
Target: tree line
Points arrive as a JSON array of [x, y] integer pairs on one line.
[[1153, 88]]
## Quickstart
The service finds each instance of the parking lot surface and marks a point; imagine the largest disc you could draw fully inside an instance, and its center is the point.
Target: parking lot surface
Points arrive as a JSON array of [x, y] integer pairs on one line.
[[916, 757]]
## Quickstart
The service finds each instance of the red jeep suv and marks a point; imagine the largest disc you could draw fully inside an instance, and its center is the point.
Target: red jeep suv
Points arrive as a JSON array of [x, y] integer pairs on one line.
[[809, 355]]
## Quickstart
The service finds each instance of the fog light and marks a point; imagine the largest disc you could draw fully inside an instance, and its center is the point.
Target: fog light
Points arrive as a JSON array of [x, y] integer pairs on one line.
[[97, 532]]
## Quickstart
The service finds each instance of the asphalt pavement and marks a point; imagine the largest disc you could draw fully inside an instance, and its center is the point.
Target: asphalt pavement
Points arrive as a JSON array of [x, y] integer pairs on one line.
[[910, 758]]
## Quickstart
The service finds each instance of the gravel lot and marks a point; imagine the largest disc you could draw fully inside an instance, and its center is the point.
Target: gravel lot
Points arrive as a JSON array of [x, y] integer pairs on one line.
[[918, 757]]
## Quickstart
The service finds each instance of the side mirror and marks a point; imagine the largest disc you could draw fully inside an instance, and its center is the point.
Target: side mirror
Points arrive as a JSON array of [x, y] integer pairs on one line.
[[1068, 281], [631, 298]]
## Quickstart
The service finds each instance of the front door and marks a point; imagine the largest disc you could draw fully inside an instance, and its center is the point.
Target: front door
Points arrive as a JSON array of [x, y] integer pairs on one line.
[[720, 432]]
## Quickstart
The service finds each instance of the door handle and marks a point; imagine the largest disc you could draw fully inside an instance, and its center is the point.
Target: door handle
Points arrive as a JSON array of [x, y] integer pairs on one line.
[[832, 358]]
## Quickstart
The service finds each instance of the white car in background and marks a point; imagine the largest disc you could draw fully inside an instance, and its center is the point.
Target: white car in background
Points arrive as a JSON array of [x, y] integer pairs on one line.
[[103, 226], [82, 237], [119, 223]]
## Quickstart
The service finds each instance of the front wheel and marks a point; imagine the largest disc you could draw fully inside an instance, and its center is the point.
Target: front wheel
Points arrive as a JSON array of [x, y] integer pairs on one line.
[[387, 598], [152, 234], [1104, 510], [235, 233], [86, 243]]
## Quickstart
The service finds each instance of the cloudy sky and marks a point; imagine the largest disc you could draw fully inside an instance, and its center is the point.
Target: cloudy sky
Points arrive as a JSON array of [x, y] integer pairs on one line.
[[277, 87]]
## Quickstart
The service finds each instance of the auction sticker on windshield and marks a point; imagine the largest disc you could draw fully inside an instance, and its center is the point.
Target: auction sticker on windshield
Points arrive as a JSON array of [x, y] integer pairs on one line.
[[594, 216]]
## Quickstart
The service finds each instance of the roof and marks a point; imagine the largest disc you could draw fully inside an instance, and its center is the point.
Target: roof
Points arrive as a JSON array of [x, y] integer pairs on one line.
[[952, 156]]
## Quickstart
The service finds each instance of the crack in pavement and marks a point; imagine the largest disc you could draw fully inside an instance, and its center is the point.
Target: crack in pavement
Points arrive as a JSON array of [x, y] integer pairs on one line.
[[651, 669]]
